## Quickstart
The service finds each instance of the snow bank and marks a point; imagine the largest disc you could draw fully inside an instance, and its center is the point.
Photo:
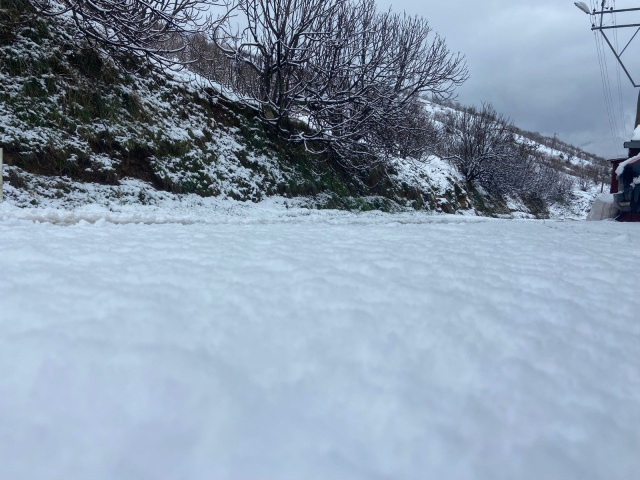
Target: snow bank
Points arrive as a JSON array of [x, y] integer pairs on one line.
[[197, 210], [603, 208], [317, 345]]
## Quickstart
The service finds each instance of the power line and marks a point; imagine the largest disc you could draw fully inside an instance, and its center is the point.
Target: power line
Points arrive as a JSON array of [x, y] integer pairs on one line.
[[619, 127], [620, 101], [605, 84], [603, 77], [617, 115], [609, 90], [603, 15]]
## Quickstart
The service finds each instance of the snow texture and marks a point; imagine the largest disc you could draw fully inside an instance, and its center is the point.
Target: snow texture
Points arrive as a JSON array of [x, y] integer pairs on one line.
[[237, 341], [636, 134]]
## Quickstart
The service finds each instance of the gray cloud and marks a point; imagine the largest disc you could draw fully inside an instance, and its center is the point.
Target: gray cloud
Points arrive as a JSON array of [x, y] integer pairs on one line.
[[537, 62]]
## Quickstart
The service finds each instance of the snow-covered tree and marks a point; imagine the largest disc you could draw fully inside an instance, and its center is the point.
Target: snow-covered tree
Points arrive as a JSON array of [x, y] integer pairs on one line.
[[278, 44], [477, 142], [485, 148], [353, 72], [139, 28], [372, 74]]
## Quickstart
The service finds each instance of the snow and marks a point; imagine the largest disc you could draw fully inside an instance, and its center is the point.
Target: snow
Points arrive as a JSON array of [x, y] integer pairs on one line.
[[603, 208], [628, 161], [431, 173], [636, 134], [269, 341]]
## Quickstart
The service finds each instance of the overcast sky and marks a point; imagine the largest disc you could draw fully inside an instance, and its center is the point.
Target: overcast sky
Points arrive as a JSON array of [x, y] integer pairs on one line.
[[536, 61]]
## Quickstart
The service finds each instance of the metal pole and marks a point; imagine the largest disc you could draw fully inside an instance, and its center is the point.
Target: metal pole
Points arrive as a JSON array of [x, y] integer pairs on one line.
[[619, 60], [616, 26], [616, 11], [629, 42]]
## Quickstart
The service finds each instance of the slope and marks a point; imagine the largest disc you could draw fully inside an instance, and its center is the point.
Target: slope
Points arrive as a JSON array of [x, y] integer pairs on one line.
[[71, 120]]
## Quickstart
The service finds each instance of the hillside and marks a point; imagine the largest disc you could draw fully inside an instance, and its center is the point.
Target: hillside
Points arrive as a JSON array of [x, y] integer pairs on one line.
[[76, 130]]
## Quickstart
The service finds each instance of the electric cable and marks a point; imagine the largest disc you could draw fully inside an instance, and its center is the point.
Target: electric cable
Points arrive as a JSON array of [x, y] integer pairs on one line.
[[622, 110], [617, 128], [605, 90], [603, 76], [614, 116]]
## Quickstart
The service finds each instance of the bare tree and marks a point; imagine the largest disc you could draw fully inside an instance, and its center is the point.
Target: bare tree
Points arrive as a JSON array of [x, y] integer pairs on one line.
[[142, 28], [484, 147], [374, 72], [278, 44], [354, 73], [476, 141]]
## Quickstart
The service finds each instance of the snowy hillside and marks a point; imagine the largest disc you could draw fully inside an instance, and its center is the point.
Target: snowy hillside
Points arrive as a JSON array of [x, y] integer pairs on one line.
[[70, 120], [76, 130], [69, 113], [234, 341]]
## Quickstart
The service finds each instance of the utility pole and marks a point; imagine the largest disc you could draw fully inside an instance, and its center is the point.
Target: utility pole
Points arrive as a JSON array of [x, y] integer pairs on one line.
[[598, 24]]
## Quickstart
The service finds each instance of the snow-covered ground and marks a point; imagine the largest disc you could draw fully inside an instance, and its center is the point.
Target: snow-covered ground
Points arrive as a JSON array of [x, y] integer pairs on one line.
[[255, 342]]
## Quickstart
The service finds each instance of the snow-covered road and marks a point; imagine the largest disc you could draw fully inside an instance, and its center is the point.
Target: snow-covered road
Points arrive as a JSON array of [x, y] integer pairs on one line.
[[317, 346]]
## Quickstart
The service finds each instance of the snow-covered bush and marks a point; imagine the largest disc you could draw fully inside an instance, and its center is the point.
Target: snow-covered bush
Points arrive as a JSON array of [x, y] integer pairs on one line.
[[485, 148], [129, 30]]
